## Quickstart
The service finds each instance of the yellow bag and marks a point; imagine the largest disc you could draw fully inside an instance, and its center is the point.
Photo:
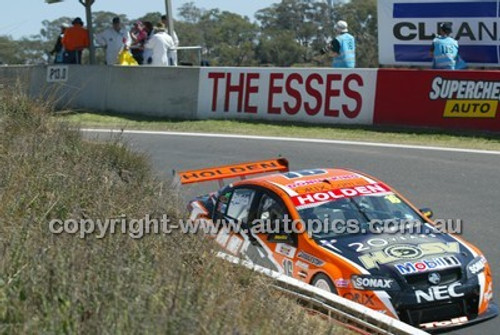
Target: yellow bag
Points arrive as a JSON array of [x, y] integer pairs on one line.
[[125, 58]]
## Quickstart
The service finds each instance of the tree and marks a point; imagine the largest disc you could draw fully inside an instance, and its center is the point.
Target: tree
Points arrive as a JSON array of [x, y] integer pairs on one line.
[[154, 18], [279, 48], [10, 51]]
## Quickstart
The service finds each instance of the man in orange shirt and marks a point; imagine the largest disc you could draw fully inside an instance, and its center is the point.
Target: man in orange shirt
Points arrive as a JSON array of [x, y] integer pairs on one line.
[[76, 38]]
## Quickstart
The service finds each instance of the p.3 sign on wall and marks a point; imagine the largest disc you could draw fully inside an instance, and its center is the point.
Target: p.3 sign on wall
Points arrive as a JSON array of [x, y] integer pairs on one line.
[[325, 96], [406, 29]]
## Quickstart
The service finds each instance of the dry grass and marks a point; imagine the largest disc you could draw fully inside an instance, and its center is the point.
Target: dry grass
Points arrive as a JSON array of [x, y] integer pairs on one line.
[[158, 284]]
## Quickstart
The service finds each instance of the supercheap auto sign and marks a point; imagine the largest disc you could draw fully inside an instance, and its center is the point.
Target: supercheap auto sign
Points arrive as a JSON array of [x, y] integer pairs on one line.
[[440, 99], [407, 27]]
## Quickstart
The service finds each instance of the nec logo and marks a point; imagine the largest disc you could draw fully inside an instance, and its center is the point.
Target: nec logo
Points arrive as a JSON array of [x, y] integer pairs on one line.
[[438, 293]]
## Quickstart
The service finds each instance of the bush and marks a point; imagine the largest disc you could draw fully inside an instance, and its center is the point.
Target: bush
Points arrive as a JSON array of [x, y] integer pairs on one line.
[[63, 284]]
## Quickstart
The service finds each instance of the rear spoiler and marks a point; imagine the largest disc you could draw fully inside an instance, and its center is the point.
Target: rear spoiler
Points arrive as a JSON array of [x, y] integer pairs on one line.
[[233, 171]]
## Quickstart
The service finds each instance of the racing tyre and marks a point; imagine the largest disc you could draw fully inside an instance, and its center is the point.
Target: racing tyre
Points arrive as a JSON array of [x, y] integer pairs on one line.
[[323, 282]]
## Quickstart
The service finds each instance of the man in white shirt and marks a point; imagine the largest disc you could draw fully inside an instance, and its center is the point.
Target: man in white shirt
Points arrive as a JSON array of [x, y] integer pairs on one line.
[[173, 52], [115, 39], [160, 43]]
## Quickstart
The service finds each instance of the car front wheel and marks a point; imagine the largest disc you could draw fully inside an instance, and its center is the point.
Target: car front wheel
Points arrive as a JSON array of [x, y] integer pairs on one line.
[[323, 282]]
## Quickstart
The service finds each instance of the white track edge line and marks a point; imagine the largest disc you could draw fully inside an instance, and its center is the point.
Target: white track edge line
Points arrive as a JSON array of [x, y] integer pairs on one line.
[[291, 139]]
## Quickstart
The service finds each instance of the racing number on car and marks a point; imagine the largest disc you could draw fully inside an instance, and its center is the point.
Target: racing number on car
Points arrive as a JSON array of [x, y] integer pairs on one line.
[[288, 267], [303, 173], [373, 243]]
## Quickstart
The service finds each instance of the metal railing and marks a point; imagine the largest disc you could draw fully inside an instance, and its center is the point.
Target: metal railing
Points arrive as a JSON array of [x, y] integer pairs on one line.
[[331, 305]]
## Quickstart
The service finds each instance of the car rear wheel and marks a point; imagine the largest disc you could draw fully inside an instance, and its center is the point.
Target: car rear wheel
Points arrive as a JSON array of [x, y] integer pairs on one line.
[[323, 282]]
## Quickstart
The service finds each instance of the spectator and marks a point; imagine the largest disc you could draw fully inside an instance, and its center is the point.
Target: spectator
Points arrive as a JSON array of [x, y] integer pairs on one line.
[[343, 47], [173, 52], [139, 37], [160, 44], [58, 50], [444, 49], [115, 39], [148, 53], [75, 39]]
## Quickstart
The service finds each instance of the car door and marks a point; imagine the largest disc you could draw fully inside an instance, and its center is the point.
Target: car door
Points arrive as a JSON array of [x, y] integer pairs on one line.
[[272, 229]]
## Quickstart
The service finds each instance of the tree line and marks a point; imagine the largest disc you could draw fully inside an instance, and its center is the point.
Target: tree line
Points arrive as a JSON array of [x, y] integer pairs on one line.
[[289, 33]]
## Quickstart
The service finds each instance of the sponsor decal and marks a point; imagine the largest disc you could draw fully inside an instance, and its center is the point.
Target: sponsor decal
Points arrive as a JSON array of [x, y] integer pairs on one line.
[[222, 237], [434, 278], [233, 171], [304, 200], [310, 258], [302, 265], [360, 298], [446, 323], [285, 250], [234, 244], [373, 283], [467, 98], [477, 265], [438, 293], [397, 252], [429, 264], [403, 251], [341, 282], [301, 183], [288, 267], [488, 295]]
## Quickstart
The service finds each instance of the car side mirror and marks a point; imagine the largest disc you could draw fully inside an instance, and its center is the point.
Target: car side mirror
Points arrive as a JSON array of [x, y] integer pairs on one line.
[[427, 212]]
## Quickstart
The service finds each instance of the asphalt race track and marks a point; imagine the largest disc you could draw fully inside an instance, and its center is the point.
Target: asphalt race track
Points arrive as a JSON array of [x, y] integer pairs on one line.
[[462, 185]]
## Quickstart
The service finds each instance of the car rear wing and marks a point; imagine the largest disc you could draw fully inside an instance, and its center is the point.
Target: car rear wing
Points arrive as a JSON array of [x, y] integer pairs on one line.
[[219, 173]]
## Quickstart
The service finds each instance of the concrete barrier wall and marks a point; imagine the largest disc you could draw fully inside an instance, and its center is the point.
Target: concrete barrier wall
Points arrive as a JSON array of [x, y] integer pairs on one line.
[[394, 97], [150, 91]]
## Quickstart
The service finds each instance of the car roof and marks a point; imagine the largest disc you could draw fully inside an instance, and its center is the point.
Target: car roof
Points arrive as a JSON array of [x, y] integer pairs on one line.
[[314, 180]]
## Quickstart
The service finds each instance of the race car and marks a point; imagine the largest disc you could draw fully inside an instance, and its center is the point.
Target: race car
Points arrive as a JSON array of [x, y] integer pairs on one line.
[[350, 234]]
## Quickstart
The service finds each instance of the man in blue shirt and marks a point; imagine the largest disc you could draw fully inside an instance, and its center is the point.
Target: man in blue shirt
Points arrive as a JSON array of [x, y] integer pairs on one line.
[[343, 47], [444, 49]]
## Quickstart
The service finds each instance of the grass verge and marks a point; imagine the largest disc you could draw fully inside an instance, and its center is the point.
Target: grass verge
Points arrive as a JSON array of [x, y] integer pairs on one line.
[[428, 137], [158, 284]]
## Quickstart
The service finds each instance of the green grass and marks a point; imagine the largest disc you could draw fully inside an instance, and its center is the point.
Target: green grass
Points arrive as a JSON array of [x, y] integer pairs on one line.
[[428, 137], [61, 284]]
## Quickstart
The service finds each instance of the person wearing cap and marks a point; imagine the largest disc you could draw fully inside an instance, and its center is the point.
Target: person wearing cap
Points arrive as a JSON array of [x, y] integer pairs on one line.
[[115, 39], [75, 39], [58, 50], [444, 49], [172, 56], [160, 43], [343, 47]]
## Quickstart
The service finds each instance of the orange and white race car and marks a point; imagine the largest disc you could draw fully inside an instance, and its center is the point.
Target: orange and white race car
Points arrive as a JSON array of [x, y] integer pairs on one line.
[[350, 234]]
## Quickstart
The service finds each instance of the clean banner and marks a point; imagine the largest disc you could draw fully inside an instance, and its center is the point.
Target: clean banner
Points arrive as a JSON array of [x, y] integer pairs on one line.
[[407, 28]]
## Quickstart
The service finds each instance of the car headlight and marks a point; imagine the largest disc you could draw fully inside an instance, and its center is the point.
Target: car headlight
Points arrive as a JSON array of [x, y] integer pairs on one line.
[[374, 283], [477, 265]]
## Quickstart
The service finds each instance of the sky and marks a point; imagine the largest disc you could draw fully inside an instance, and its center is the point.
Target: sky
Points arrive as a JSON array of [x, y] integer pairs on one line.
[[23, 17]]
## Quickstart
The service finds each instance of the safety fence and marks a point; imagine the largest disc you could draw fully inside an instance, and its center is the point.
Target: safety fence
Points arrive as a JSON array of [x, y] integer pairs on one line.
[[357, 317]]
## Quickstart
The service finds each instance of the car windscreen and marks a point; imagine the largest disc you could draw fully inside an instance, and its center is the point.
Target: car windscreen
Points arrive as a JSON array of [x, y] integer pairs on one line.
[[330, 219]]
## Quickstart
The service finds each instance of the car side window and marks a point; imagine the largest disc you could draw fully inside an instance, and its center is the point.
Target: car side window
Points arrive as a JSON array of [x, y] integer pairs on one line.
[[269, 209], [272, 212], [240, 204]]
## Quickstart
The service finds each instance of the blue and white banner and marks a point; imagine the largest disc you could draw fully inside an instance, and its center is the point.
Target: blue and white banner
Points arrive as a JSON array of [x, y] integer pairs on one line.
[[406, 29]]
